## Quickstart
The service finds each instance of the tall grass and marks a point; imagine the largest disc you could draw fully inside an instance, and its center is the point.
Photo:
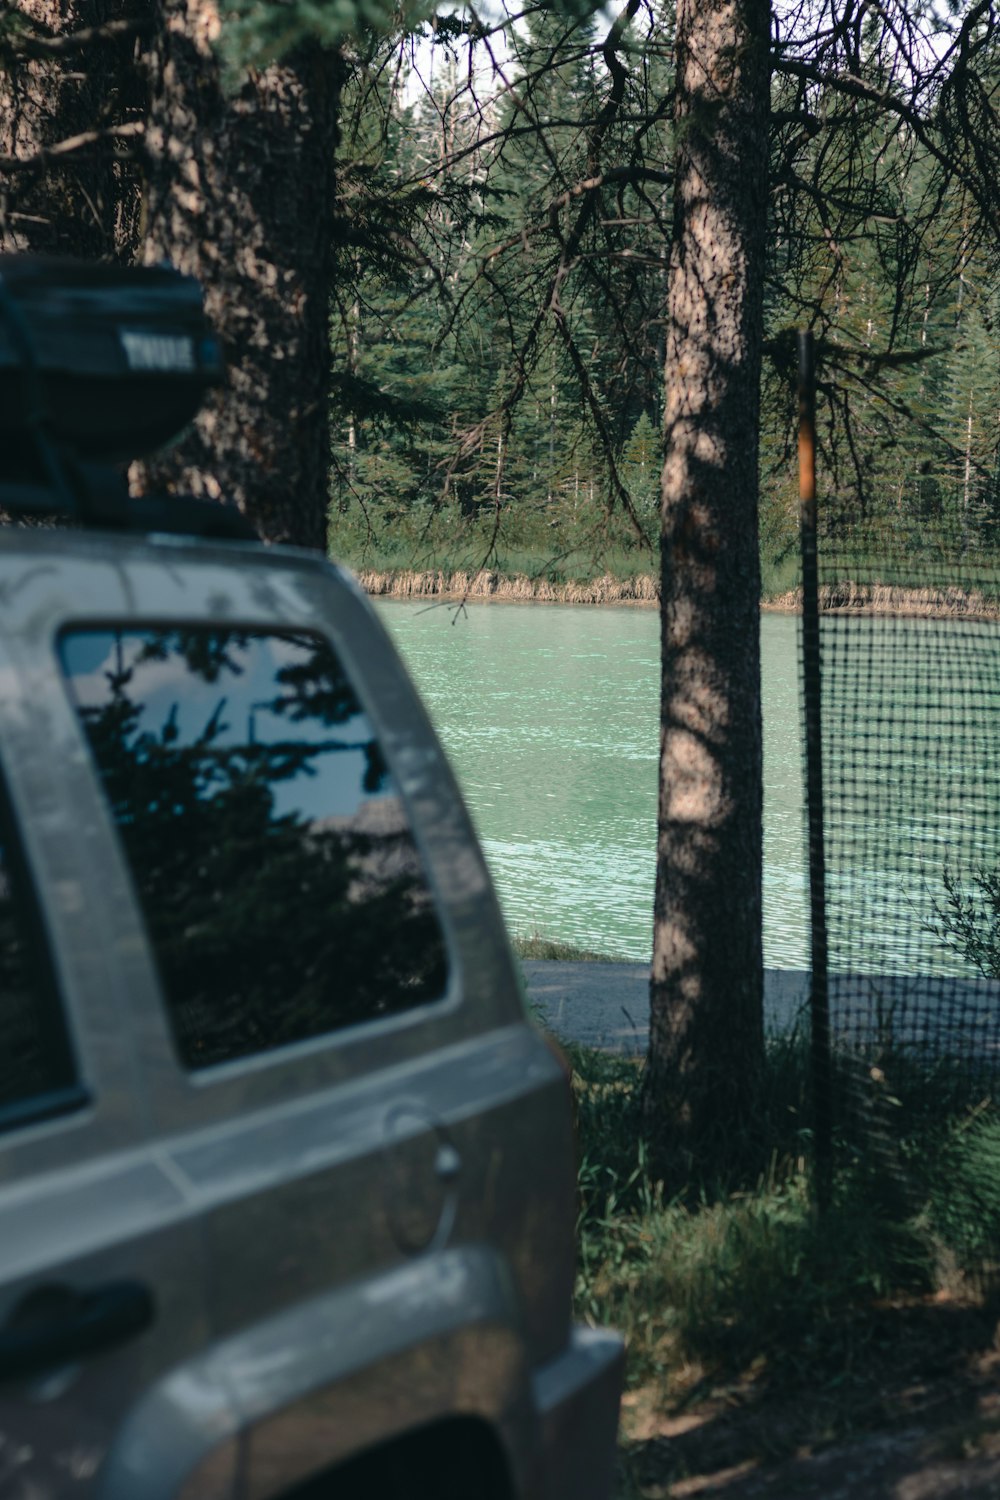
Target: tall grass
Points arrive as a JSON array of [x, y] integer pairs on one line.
[[733, 1271], [535, 945], [583, 547], [585, 555], [779, 576], [874, 557]]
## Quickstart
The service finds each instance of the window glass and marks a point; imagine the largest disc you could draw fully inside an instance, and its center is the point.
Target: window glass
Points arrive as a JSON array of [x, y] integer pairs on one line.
[[278, 877], [37, 1075]]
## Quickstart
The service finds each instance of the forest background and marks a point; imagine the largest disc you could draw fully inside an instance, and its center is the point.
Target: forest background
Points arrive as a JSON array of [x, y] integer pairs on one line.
[[493, 235], [468, 433]]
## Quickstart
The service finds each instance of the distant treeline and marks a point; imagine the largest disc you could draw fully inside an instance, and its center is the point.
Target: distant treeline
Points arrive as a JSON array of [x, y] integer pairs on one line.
[[498, 383]]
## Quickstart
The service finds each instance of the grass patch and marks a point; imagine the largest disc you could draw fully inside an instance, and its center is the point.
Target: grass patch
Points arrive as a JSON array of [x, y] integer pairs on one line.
[[780, 576], [534, 945], [734, 1276], [581, 550]]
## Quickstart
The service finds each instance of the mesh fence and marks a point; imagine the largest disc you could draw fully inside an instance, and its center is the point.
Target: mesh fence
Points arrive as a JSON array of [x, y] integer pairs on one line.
[[909, 688]]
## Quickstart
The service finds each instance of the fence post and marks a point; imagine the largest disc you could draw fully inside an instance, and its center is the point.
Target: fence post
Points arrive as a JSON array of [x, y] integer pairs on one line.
[[819, 992]]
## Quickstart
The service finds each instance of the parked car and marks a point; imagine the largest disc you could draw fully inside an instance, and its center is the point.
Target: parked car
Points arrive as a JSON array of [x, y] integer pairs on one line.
[[286, 1176]]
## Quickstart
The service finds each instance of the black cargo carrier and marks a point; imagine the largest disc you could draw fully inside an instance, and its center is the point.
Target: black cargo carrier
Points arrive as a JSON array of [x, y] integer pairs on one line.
[[100, 365], [123, 358]]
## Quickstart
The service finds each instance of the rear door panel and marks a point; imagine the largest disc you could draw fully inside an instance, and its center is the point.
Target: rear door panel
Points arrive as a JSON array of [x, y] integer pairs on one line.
[[338, 1157], [85, 1205]]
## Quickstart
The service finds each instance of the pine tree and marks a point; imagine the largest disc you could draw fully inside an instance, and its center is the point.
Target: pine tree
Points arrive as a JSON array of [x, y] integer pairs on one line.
[[71, 120], [240, 195]]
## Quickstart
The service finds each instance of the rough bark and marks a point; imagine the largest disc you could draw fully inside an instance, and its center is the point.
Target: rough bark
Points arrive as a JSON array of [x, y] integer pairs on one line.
[[240, 195], [69, 130], [706, 1032]]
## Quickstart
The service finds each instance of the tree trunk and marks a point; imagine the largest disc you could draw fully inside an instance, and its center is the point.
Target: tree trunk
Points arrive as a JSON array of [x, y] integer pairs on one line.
[[241, 195], [84, 198], [706, 1031]]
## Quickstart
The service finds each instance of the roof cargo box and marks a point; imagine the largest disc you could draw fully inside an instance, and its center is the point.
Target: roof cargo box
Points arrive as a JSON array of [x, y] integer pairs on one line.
[[122, 358]]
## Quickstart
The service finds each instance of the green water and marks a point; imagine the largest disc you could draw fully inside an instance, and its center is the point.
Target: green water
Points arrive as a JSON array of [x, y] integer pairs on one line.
[[549, 714]]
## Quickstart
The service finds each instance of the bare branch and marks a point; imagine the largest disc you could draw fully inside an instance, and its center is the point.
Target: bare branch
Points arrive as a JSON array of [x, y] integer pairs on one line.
[[48, 155], [25, 44]]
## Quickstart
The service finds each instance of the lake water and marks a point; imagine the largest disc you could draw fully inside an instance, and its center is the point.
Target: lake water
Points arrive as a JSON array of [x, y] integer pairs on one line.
[[549, 714]]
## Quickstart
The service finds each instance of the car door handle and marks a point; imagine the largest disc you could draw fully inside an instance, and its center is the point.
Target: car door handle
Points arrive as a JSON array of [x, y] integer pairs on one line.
[[55, 1325]]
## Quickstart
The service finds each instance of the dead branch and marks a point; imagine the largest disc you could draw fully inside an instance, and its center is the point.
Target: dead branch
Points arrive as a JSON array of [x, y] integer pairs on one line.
[[32, 45], [47, 155]]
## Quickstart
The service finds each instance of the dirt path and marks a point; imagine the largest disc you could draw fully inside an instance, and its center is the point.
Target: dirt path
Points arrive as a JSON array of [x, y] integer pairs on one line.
[[918, 1416], [913, 1463], [607, 1004]]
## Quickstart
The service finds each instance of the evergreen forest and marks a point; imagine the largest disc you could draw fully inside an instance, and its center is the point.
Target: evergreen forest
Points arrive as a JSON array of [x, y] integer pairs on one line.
[[505, 201]]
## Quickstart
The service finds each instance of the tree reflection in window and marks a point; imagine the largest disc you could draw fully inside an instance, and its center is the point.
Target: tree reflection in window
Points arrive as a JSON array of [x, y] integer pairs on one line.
[[278, 877], [35, 1059]]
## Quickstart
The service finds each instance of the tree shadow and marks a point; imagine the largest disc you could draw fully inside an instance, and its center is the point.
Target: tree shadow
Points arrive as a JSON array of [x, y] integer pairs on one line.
[[890, 1391]]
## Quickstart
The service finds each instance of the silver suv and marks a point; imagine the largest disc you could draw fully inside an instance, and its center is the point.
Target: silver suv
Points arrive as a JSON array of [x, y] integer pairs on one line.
[[286, 1177]]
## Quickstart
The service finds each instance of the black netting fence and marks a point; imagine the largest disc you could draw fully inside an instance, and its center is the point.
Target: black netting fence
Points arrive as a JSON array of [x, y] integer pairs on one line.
[[911, 736], [902, 662]]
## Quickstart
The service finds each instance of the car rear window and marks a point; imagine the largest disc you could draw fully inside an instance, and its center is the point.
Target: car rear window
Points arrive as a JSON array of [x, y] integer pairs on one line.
[[278, 876]]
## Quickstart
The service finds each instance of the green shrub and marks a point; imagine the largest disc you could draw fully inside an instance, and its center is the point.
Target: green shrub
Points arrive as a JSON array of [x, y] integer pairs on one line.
[[968, 920], [729, 1273]]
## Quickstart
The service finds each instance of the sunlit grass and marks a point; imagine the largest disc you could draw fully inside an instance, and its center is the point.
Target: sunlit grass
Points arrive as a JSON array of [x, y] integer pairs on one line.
[[535, 945], [735, 1272]]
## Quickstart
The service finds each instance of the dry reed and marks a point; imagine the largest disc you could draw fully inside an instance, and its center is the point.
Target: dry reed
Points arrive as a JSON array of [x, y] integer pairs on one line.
[[848, 598], [516, 587], [841, 598]]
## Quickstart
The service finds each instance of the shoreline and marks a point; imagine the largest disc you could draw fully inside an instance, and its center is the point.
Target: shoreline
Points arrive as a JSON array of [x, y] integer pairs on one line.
[[606, 1005], [491, 586]]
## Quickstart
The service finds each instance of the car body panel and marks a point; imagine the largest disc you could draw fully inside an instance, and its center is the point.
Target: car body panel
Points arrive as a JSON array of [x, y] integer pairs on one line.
[[348, 1236], [341, 1373], [110, 1217]]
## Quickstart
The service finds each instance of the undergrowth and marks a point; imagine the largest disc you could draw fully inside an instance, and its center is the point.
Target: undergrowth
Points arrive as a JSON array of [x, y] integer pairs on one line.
[[580, 548], [535, 945], [732, 1272]]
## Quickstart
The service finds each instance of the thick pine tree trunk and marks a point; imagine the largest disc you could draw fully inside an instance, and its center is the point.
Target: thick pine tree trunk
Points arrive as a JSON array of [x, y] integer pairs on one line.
[[706, 1033], [241, 193], [70, 122]]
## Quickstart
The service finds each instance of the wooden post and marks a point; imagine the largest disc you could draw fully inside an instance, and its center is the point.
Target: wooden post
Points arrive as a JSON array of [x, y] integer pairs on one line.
[[819, 993]]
